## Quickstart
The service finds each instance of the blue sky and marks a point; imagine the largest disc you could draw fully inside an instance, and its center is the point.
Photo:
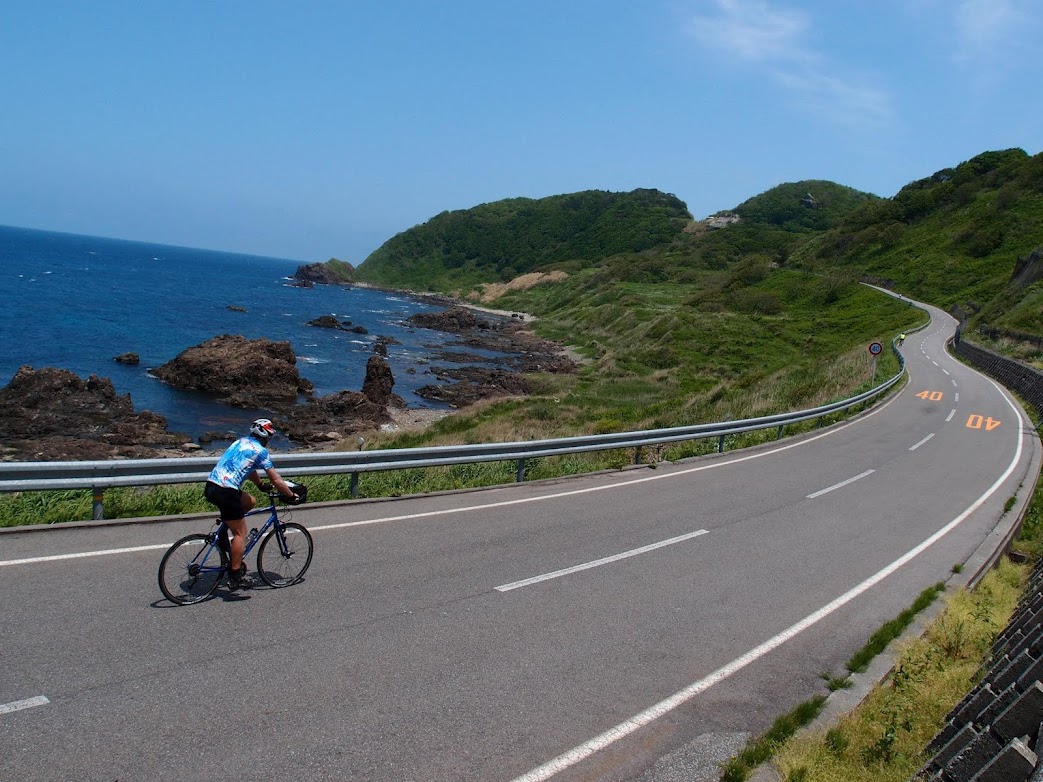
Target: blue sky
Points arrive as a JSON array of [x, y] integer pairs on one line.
[[309, 129]]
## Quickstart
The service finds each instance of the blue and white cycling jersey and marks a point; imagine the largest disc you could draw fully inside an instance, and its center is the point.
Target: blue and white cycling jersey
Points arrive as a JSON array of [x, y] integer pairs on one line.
[[242, 457]]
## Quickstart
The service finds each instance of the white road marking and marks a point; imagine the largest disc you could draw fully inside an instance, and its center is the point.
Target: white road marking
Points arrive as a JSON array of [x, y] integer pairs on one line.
[[504, 503], [841, 484], [83, 554], [665, 706], [946, 371], [28, 703], [597, 562], [928, 437], [951, 414], [957, 397]]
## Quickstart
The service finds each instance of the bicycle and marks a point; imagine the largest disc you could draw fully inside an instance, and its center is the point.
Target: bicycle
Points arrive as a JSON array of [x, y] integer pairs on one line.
[[193, 568]]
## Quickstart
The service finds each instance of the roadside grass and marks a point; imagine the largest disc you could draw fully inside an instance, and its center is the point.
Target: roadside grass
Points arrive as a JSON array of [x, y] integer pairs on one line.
[[884, 738]]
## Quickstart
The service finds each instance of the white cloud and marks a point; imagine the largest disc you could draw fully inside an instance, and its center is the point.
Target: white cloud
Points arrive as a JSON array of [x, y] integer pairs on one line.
[[774, 39], [753, 31], [986, 30]]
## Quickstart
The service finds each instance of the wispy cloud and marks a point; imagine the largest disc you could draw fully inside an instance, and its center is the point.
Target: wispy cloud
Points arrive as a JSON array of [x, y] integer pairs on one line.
[[775, 39], [987, 30]]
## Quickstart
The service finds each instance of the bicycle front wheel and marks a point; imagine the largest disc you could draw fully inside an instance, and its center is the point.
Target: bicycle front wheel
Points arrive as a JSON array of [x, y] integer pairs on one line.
[[191, 570], [285, 555]]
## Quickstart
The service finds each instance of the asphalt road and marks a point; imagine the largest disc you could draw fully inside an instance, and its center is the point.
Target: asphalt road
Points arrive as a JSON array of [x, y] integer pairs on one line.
[[713, 596]]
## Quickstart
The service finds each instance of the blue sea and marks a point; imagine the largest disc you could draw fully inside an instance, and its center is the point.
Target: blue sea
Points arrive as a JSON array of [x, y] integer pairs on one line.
[[76, 302]]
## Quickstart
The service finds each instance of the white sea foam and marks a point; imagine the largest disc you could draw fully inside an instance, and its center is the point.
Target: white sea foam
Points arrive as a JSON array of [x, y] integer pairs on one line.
[[312, 360]]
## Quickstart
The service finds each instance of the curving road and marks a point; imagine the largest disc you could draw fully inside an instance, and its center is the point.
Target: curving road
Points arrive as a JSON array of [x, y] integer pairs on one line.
[[570, 630]]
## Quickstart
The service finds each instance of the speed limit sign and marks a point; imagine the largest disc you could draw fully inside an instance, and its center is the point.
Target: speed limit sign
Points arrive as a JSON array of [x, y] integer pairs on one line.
[[875, 348]]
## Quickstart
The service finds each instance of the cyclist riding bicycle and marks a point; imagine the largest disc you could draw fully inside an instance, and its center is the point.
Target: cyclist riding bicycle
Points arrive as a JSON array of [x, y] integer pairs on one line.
[[243, 460]]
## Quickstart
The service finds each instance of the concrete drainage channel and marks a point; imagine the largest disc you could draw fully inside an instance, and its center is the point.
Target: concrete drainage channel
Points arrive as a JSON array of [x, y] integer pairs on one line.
[[993, 734]]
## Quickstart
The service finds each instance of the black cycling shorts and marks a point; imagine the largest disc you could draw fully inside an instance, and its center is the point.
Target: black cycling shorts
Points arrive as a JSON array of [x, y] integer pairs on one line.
[[229, 501]]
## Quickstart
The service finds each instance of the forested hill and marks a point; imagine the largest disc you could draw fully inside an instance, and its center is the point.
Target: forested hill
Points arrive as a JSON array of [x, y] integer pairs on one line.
[[969, 236], [501, 240]]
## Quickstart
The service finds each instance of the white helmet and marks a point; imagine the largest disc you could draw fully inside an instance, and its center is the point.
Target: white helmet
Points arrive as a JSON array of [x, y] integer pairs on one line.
[[262, 429]]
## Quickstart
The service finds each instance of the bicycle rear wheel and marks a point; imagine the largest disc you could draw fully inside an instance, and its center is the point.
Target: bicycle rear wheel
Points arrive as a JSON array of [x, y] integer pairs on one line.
[[191, 570], [280, 567]]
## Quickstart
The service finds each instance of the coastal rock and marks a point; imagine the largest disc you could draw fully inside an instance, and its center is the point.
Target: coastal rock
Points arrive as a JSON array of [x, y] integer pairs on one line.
[[329, 322], [523, 352], [239, 372], [475, 384], [53, 414], [344, 412], [379, 381], [380, 347], [332, 272], [132, 359], [455, 319]]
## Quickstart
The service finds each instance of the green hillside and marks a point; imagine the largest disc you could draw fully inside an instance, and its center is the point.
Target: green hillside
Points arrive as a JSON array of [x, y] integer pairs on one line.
[[758, 311], [954, 238], [494, 242]]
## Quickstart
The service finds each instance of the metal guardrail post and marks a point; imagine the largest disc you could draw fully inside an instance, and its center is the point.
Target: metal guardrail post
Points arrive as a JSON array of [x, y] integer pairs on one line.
[[520, 475], [779, 435], [354, 485], [637, 455], [98, 505], [720, 444]]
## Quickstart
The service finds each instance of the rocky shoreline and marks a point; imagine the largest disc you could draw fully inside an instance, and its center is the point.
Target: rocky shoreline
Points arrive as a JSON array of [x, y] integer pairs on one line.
[[52, 414]]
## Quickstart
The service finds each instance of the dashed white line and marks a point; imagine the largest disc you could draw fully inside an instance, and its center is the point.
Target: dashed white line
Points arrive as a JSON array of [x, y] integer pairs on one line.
[[840, 485], [82, 554], [928, 437], [952, 412], [28, 703], [597, 562]]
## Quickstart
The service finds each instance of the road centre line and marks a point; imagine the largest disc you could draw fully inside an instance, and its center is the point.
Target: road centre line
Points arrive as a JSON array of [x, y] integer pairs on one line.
[[502, 504], [951, 414], [928, 437], [28, 703], [858, 477], [598, 562], [665, 706]]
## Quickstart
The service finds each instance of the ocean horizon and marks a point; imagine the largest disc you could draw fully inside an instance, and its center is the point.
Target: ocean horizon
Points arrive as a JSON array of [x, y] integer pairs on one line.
[[76, 302]]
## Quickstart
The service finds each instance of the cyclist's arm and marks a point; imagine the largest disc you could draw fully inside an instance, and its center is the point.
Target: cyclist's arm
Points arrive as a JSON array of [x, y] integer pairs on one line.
[[279, 483]]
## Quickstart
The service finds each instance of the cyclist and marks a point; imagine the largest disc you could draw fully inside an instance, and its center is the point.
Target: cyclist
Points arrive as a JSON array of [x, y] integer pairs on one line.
[[244, 459], [901, 339]]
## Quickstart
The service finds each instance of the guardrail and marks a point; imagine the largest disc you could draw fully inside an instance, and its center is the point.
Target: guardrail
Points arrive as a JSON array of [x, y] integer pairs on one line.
[[100, 475]]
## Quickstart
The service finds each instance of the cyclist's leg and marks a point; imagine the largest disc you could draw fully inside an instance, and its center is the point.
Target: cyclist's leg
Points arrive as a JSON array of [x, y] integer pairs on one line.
[[238, 529]]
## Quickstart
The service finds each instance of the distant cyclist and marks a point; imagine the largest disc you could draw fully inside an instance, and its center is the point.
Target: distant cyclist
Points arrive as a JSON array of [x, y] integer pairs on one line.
[[901, 339], [243, 460]]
